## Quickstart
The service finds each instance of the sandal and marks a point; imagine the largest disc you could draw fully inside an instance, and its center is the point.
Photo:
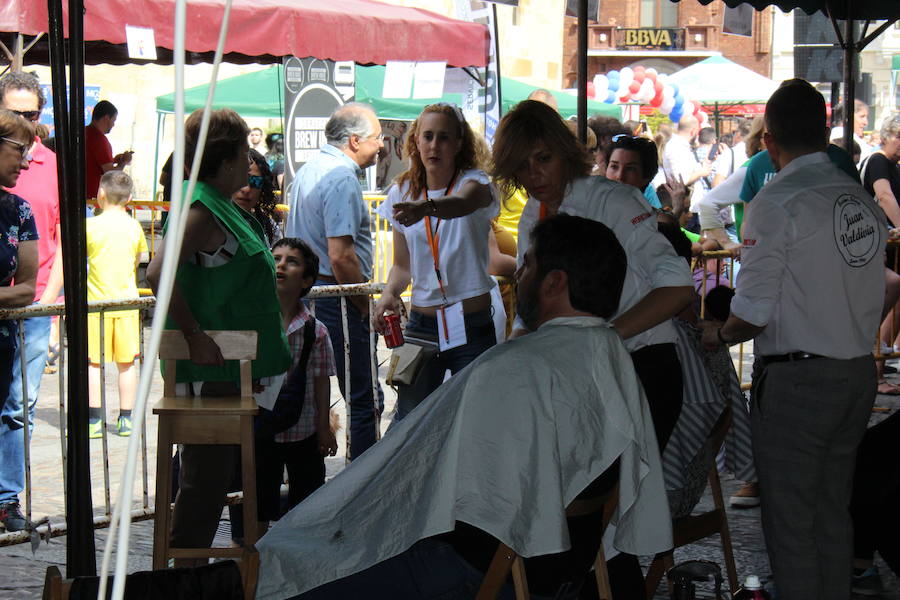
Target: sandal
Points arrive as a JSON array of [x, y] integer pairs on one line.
[[888, 389], [52, 355]]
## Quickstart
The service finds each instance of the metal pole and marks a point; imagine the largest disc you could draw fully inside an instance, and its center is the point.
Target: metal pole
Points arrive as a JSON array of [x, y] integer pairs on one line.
[[81, 557], [849, 79], [582, 69]]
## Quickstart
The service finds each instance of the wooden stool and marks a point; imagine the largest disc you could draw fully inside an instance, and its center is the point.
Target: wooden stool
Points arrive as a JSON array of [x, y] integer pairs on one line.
[[226, 420]]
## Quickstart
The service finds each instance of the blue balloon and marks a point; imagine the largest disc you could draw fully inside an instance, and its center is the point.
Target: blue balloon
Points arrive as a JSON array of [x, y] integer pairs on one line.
[[611, 97], [675, 115], [613, 75], [679, 100], [674, 87], [613, 85]]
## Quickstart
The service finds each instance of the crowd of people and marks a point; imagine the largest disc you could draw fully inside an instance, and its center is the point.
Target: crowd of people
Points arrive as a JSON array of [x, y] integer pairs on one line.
[[599, 372]]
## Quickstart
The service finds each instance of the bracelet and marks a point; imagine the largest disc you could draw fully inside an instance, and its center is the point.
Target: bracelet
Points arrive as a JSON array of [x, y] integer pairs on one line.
[[433, 206], [719, 335]]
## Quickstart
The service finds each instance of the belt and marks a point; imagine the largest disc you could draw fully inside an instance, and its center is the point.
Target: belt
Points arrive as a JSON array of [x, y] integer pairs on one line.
[[328, 278], [790, 357]]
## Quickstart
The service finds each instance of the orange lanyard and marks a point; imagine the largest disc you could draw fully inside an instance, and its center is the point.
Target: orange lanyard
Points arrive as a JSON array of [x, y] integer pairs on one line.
[[543, 212], [434, 240]]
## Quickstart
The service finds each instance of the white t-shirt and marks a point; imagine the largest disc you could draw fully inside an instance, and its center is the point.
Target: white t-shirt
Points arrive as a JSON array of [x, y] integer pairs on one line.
[[462, 246]]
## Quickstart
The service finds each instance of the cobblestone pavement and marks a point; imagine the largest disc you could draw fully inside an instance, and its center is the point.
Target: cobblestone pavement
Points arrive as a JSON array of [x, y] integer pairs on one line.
[[23, 572]]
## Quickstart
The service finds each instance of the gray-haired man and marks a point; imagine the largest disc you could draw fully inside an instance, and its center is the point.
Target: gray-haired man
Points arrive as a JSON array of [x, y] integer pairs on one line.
[[328, 213]]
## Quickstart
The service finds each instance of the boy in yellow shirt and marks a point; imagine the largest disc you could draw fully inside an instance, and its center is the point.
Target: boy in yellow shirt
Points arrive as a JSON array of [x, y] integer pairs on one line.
[[115, 243]]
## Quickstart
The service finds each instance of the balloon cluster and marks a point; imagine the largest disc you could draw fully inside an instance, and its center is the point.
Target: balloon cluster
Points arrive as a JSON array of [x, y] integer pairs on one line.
[[646, 86]]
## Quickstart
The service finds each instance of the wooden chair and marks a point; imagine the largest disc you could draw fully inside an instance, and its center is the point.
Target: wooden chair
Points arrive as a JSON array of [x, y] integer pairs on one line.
[[691, 528], [204, 420], [58, 588], [506, 560]]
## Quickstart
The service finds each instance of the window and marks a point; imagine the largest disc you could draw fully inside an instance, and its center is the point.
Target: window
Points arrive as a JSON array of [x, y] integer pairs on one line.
[[659, 13]]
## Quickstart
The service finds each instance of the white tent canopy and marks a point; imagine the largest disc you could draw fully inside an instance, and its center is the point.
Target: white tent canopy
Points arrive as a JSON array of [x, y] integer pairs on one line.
[[718, 80]]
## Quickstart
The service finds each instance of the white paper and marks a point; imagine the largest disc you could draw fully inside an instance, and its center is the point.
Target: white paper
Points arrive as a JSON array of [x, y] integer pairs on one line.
[[429, 80], [453, 334], [141, 42], [272, 386], [398, 79]]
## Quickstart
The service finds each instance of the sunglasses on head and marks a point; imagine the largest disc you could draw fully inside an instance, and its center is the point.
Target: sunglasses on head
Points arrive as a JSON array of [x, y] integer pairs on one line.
[[29, 115], [255, 182]]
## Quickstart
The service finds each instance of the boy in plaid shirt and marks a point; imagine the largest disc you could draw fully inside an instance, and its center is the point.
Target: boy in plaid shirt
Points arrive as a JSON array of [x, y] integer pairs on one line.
[[301, 448]]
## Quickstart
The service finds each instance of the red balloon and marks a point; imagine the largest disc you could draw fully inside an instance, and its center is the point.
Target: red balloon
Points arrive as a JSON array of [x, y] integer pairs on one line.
[[697, 108], [656, 100], [591, 92], [635, 87], [639, 69], [625, 98], [639, 77], [657, 86], [651, 76]]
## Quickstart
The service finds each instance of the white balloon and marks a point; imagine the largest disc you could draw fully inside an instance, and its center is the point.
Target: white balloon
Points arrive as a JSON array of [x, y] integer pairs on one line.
[[667, 105], [668, 91], [647, 91], [626, 76], [662, 78], [687, 108]]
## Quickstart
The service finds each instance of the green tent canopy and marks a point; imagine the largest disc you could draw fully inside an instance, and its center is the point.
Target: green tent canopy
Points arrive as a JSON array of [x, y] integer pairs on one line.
[[256, 94], [261, 94]]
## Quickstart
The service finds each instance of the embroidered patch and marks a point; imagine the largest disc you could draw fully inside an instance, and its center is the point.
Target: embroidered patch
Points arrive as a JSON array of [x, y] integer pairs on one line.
[[748, 243], [640, 218], [856, 230]]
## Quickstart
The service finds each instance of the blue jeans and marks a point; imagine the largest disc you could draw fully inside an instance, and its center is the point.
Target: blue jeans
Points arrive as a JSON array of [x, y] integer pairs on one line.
[[480, 336], [12, 440], [363, 418], [429, 570]]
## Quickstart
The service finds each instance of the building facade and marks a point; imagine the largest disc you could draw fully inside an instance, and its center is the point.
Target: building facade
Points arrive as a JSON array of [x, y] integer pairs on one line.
[[667, 36]]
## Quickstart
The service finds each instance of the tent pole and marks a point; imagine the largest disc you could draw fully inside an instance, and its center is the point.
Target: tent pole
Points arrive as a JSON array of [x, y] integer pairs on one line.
[[81, 557], [849, 81], [582, 69], [160, 119]]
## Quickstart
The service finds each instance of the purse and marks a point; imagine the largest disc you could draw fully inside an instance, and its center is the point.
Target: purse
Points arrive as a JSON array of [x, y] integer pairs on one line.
[[407, 360]]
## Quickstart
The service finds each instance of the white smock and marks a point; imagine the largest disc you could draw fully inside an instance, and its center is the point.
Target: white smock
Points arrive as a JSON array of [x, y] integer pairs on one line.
[[505, 445]]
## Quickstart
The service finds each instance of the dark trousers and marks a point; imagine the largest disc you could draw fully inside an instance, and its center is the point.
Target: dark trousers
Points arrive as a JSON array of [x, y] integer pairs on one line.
[[203, 480], [808, 418], [875, 505], [306, 472], [659, 370], [364, 414]]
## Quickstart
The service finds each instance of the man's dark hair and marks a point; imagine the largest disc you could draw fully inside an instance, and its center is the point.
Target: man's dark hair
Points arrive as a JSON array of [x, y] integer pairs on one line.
[[707, 135], [744, 127], [18, 80], [589, 253], [837, 113], [646, 149], [310, 260], [104, 108], [795, 117]]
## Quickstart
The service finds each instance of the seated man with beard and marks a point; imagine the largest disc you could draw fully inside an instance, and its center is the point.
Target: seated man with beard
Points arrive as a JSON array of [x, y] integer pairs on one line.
[[496, 453]]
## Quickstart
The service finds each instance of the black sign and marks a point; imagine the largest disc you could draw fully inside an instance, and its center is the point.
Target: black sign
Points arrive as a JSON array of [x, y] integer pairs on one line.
[[817, 55], [650, 39], [313, 89]]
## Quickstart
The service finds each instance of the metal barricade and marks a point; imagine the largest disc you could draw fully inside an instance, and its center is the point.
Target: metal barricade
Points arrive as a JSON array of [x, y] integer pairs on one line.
[[53, 524]]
